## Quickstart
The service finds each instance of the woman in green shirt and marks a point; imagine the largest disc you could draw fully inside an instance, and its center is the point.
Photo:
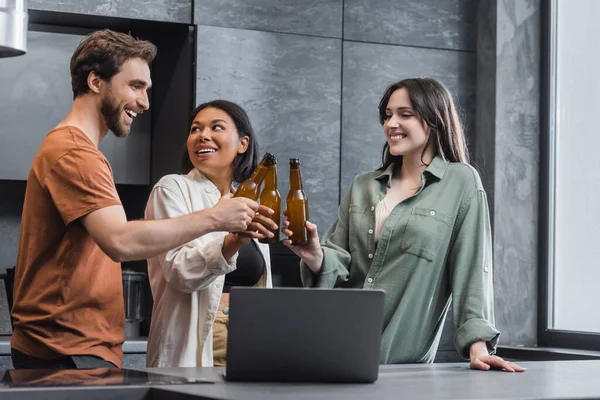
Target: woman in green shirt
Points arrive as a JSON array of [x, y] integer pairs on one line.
[[417, 228]]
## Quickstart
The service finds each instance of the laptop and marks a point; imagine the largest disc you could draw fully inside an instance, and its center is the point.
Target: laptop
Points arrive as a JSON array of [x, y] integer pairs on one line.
[[304, 335]]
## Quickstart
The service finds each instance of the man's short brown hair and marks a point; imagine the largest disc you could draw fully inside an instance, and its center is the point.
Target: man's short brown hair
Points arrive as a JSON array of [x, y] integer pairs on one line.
[[104, 53]]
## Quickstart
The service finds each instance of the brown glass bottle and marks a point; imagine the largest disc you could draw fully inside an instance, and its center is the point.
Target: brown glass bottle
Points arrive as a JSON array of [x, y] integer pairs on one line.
[[297, 205], [270, 198], [250, 188]]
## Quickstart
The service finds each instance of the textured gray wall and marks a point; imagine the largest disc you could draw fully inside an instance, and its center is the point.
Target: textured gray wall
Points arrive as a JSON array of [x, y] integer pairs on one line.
[[516, 169], [485, 124], [306, 17], [508, 146], [442, 24], [153, 10], [290, 87]]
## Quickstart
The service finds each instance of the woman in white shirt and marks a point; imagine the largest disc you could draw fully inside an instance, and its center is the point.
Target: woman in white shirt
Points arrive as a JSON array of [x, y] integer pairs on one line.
[[190, 283]]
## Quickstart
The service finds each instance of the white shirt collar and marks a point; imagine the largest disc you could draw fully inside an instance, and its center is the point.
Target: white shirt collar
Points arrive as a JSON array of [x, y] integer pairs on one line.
[[198, 176]]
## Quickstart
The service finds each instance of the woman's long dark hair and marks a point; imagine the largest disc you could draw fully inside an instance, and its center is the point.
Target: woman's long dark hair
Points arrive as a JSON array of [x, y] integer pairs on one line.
[[433, 103], [243, 164]]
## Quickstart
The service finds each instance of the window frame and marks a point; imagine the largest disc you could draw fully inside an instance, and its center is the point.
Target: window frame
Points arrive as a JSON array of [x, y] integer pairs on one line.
[[549, 337]]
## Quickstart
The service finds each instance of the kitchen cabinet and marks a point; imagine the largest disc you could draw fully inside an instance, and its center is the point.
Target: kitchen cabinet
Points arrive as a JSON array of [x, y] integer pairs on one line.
[[155, 10], [315, 18]]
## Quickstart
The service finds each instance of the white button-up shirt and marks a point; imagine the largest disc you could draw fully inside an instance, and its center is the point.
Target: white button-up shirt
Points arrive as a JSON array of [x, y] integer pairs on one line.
[[187, 282]]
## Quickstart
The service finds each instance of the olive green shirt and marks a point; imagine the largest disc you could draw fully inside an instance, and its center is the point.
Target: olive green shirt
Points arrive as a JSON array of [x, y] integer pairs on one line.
[[434, 245]]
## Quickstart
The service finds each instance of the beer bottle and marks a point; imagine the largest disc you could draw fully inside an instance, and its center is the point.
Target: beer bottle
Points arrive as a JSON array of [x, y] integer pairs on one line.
[[270, 197], [250, 188], [297, 205]]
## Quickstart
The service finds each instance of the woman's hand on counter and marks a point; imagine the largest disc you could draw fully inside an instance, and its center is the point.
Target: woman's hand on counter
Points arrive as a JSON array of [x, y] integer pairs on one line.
[[481, 359]]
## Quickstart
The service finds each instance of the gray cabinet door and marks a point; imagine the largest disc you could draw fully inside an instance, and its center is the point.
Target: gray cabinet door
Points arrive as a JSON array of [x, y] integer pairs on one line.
[[35, 95], [5, 362], [134, 361], [154, 10]]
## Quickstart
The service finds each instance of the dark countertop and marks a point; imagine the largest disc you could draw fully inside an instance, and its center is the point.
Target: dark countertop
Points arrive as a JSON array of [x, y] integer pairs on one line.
[[543, 380]]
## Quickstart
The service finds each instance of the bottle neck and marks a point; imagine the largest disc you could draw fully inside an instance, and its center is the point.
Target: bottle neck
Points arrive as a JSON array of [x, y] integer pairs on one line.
[[259, 174], [271, 178], [295, 178]]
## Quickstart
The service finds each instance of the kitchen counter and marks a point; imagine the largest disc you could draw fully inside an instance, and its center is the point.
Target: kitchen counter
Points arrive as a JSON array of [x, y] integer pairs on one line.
[[543, 380]]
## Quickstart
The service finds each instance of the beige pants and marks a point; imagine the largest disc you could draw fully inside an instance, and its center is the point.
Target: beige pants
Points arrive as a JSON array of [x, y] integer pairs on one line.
[[220, 333], [220, 327]]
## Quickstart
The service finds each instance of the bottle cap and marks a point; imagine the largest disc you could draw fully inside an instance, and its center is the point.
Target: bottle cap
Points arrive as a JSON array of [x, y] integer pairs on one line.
[[269, 159]]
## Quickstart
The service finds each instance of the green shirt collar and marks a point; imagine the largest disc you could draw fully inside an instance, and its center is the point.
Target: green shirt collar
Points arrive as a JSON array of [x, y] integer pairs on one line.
[[437, 167]]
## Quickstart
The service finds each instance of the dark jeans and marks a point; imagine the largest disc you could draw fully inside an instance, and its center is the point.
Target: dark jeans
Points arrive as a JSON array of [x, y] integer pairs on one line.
[[21, 360]]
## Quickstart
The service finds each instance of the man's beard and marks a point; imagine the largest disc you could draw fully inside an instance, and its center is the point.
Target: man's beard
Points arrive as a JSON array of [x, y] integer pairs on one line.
[[112, 115]]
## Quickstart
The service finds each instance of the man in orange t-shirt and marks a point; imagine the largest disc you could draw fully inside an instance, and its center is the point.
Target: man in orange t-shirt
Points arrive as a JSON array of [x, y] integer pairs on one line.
[[68, 300]]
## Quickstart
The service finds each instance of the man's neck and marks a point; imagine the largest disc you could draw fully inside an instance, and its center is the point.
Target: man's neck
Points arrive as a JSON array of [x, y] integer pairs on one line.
[[86, 116]]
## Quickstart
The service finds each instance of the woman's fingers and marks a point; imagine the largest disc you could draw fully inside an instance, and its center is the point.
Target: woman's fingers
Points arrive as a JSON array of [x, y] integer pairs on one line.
[[487, 362], [252, 235], [265, 221], [478, 364], [497, 362], [517, 368], [257, 227], [313, 234], [287, 232], [265, 210]]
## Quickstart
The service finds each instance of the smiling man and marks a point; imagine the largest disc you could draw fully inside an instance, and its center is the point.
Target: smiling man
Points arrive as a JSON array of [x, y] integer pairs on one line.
[[68, 300]]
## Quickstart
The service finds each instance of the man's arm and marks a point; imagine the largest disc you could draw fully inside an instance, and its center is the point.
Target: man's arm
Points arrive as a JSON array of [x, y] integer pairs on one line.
[[124, 240]]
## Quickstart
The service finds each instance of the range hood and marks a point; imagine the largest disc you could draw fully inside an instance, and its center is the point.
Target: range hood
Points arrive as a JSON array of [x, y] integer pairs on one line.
[[13, 28]]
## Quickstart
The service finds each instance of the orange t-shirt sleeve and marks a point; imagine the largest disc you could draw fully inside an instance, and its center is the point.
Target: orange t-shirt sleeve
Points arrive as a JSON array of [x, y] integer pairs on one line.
[[81, 182]]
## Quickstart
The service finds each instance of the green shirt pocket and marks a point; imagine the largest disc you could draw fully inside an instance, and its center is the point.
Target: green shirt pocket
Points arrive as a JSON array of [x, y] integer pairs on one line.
[[425, 232], [356, 213]]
